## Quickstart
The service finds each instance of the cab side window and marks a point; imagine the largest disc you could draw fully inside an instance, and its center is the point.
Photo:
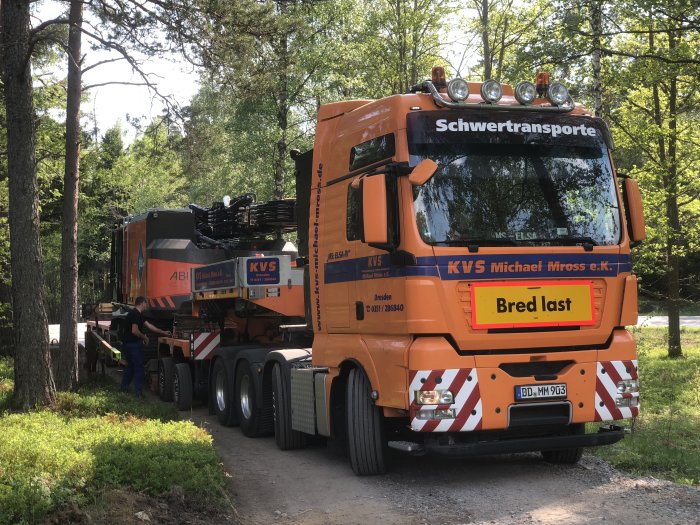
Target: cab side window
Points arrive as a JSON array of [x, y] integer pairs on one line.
[[371, 151], [352, 225]]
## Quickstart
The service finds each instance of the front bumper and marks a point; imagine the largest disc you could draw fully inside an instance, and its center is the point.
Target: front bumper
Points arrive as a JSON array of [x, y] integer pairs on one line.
[[447, 445]]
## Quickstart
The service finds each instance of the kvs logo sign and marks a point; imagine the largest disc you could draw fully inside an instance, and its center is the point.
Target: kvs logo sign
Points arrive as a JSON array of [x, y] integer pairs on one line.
[[262, 271]]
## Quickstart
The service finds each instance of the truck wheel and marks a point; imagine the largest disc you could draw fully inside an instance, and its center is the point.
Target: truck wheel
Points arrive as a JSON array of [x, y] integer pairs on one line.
[[220, 395], [166, 370], [285, 437], [566, 456], [247, 405], [182, 387], [365, 427]]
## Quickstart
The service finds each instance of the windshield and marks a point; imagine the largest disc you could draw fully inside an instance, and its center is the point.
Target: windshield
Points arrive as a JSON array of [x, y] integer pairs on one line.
[[497, 195]]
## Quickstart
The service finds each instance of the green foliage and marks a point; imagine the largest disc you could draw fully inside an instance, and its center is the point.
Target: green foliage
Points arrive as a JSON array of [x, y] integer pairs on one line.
[[151, 170], [95, 439], [6, 382], [664, 438], [386, 47], [98, 397]]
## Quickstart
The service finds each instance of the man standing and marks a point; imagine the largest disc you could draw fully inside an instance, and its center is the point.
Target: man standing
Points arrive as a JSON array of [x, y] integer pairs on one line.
[[134, 339]]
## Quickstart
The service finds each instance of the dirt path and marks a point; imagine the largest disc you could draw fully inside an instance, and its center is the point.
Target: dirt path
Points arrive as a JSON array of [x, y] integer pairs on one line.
[[316, 486]]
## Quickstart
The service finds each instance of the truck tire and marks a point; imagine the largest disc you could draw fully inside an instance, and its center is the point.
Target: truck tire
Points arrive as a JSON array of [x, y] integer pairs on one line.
[[248, 407], [365, 427], [182, 386], [566, 456], [285, 437], [221, 395], [166, 370]]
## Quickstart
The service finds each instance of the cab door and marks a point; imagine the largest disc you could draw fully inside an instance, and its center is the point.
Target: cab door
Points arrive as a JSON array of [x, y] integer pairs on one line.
[[339, 259]]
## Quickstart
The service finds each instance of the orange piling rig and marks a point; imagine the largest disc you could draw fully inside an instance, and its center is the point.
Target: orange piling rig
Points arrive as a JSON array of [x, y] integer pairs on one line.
[[462, 285]]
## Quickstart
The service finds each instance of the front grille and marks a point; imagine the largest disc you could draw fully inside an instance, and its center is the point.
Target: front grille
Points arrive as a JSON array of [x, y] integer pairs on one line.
[[534, 368], [536, 414]]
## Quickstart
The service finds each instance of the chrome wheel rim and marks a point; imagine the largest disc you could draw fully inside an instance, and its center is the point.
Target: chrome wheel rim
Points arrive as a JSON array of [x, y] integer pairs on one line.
[[221, 391], [245, 397]]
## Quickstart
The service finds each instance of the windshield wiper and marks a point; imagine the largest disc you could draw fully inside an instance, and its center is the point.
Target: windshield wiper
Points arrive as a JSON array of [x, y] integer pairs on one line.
[[587, 242], [473, 244]]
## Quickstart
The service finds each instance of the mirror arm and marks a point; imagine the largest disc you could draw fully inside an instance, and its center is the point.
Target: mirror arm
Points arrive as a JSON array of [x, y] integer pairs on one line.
[[398, 169], [386, 247]]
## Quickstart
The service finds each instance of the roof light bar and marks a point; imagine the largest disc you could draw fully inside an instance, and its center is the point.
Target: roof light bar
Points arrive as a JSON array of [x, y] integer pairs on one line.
[[458, 89], [491, 91], [557, 94], [525, 93]]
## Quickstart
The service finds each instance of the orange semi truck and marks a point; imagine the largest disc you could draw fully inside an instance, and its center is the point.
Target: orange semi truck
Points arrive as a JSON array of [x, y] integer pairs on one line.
[[462, 285]]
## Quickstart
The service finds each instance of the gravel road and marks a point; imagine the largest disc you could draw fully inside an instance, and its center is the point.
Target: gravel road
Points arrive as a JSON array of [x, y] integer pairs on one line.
[[315, 486]]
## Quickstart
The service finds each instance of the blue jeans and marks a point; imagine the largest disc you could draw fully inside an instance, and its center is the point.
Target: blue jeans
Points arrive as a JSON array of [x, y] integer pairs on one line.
[[133, 352]]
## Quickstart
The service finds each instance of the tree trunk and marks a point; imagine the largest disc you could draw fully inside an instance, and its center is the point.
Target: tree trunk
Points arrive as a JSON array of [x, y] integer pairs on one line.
[[402, 65], [488, 62], [670, 185], [674, 225], [415, 42], [502, 51], [282, 102], [67, 365], [34, 383], [596, 20]]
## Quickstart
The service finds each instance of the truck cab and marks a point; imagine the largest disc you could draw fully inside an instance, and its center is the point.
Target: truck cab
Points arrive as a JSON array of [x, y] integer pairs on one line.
[[469, 259]]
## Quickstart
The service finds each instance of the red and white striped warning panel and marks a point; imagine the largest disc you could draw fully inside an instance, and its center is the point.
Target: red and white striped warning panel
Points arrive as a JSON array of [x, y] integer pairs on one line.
[[616, 390], [462, 415], [165, 302], [205, 343]]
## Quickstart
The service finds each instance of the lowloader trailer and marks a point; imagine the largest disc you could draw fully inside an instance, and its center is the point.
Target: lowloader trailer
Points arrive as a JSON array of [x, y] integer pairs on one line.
[[462, 285]]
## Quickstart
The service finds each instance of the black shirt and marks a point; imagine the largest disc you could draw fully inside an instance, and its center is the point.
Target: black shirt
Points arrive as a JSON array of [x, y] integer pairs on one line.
[[134, 317]]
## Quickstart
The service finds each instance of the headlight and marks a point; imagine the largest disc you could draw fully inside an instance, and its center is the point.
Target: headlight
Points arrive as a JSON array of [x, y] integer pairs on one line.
[[557, 93], [491, 91], [458, 89], [525, 93], [448, 413], [628, 386], [627, 402], [434, 397]]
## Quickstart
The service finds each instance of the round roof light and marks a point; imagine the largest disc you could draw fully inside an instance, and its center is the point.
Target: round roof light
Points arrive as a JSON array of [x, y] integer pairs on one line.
[[491, 91], [525, 93], [458, 89], [557, 93]]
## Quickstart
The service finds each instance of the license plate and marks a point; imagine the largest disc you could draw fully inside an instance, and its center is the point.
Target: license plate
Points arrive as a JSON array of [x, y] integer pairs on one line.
[[532, 304], [549, 391]]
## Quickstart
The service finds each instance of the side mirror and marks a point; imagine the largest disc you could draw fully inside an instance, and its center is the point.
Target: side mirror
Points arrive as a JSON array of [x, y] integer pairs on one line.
[[423, 172], [635, 211], [374, 210]]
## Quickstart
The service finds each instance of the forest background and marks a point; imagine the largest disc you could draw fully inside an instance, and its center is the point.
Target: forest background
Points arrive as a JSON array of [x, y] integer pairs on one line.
[[266, 66]]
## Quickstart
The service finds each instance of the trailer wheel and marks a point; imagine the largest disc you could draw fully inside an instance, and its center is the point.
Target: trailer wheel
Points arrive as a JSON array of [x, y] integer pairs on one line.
[[365, 427], [182, 387], [285, 437], [166, 370], [566, 456], [247, 405], [220, 395]]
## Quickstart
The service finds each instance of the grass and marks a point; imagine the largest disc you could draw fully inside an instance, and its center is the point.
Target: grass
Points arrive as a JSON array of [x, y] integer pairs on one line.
[[95, 440], [664, 440]]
